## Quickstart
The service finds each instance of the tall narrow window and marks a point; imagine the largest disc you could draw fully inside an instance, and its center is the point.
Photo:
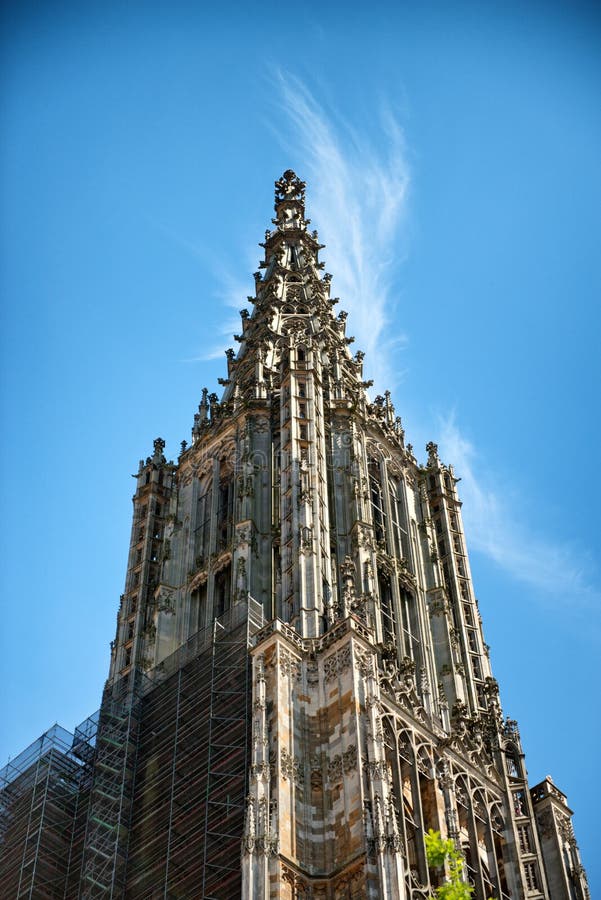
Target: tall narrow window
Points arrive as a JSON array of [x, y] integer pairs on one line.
[[524, 839], [225, 510], [203, 526], [377, 501], [222, 591], [399, 526], [410, 627], [531, 874], [387, 611], [198, 602], [275, 497]]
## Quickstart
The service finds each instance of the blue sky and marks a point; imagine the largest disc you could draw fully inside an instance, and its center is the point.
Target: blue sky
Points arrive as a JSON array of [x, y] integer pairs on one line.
[[452, 159]]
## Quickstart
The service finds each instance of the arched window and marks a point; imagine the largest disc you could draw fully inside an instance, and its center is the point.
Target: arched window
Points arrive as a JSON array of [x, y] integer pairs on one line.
[[198, 609], [514, 767], [223, 591]]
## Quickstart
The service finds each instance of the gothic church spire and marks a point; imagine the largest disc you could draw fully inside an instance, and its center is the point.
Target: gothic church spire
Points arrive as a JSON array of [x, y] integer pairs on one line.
[[292, 307]]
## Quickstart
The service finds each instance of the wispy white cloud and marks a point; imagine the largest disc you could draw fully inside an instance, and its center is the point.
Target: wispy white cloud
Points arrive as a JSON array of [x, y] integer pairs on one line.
[[231, 292], [357, 196], [560, 571]]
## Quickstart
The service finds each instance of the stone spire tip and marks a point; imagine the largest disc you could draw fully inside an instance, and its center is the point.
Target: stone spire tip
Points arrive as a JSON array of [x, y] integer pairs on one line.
[[289, 187]]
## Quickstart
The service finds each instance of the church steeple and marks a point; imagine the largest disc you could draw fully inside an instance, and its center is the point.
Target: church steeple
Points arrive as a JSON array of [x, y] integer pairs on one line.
[[300, 534], [292, 305], [299, 498]]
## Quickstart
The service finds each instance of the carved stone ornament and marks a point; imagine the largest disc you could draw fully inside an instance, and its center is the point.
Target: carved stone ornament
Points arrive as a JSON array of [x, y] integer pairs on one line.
[[260, 425], [497, 821], [443, 774], [335, 769], [376, 769], [289, 187], [260, 771], [432, 451], [349, 759], [290, 665], [291, 768], [424, 762], [337, 663], [564, 826], [438, 603], [312, 671], [461, 794]]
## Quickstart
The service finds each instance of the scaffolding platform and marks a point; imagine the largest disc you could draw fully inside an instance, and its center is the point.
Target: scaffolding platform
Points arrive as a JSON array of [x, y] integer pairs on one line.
[[43, 807]]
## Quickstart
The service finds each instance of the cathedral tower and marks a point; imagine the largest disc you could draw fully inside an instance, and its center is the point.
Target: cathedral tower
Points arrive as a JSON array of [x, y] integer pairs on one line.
[[299, 686]]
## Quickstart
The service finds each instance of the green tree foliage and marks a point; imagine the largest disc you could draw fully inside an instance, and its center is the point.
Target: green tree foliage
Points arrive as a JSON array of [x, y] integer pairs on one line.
[[440, 851]]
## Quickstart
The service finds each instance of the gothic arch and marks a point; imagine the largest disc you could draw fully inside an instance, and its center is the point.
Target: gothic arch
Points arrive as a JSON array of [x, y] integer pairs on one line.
[[228, 457], [425, 759], [376, 452], [513, 761]]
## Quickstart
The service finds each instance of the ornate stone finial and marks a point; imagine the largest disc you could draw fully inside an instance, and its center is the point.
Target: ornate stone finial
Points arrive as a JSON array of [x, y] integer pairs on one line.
[[203, 406], [432, 451], [159, 446], [289, 187]]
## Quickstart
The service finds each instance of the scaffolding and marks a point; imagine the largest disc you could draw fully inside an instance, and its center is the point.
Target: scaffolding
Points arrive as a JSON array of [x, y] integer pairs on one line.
[[146, 799], [228, 758], [192, 766], [109, 806], [84, 748], [40, 794]]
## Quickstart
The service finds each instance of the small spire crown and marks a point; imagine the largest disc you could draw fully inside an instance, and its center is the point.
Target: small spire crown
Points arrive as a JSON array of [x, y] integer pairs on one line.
[[292, 308], [290, 201]]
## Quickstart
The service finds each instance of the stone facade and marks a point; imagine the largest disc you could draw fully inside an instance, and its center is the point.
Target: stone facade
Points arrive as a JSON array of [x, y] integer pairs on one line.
[[371, 710], [375, 712]]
